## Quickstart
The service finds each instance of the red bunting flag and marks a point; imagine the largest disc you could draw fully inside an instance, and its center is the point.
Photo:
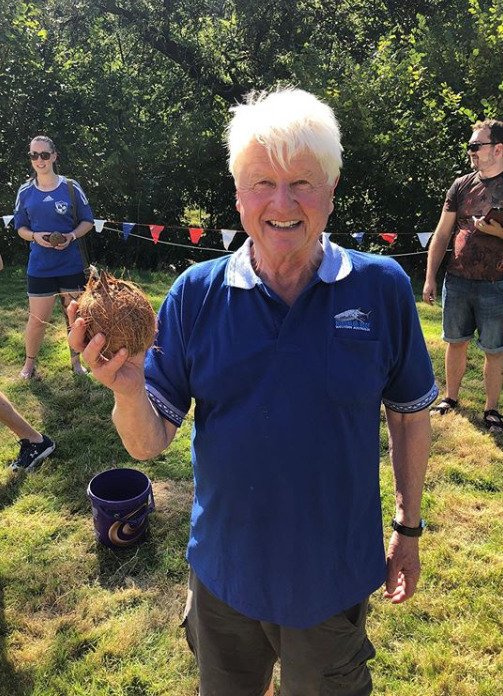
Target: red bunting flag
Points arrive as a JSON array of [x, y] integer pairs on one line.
[[389, 237], [195, 234], [155, 231]]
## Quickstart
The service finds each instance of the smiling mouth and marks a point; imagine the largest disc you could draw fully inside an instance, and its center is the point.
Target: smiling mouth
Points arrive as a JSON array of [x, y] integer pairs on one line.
[[289, 224]]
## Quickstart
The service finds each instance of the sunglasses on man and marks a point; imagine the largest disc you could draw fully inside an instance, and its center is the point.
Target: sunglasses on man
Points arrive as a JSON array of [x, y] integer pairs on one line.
[[42, 155], [475, 147]]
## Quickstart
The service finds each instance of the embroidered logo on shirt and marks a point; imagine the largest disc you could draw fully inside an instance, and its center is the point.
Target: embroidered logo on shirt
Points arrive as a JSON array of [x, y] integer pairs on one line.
[[61, 207], [353, 319], [48, 199]]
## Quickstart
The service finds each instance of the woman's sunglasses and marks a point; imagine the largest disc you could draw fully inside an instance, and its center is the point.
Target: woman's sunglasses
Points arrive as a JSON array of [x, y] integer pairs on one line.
[[42, 155]]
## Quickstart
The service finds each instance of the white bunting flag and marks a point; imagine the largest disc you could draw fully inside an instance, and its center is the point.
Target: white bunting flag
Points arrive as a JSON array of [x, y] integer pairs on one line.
[[6, 219], [424, 238], [227, 237], [99, 225]]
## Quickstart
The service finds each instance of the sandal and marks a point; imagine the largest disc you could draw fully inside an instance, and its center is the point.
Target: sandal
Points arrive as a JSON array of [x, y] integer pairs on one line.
[[444, 406], [493, 421], [27, 372]]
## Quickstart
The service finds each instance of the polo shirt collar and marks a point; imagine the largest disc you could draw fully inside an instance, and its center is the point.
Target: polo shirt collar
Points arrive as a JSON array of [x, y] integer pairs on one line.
[[335, 265]]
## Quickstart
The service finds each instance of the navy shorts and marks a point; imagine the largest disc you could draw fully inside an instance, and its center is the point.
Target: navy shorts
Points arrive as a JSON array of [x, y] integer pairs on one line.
[[473, 305], [48, 287]]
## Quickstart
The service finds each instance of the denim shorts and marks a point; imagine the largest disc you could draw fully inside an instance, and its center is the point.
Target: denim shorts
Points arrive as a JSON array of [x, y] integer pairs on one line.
[[473, 305]]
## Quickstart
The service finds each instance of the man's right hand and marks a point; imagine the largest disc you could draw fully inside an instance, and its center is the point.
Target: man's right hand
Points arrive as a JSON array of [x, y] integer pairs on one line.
[[430, 292], [122, 374]]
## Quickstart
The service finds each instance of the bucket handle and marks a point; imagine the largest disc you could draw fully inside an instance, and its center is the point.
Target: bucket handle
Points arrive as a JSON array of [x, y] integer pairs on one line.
[[137, 516], [134, 517]]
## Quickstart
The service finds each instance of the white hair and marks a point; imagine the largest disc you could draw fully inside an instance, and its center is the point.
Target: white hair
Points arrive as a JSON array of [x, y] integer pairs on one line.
[[286, 122]]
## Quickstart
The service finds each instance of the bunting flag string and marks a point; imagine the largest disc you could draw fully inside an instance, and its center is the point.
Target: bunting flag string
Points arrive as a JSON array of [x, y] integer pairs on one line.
[[170, 243], [234, 232], [227, 236]]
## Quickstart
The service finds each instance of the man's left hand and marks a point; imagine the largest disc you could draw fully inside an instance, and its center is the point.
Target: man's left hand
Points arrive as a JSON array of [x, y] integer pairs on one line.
[[492, 227], [403, 568]]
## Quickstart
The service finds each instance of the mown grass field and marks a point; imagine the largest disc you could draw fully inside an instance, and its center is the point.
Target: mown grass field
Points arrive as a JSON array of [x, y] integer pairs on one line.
[[78, 619]]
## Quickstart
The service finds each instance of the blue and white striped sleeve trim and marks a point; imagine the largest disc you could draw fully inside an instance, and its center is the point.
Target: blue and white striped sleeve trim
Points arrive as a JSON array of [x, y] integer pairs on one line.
[[165, 409], [414, 406], [81, 192], [21, 189]]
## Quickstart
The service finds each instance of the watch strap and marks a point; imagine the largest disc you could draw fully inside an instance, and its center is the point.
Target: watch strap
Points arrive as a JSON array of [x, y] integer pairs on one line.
[[408, 531]]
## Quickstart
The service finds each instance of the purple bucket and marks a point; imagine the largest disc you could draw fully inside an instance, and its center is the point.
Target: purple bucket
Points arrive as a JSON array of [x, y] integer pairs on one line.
[[121, 500]]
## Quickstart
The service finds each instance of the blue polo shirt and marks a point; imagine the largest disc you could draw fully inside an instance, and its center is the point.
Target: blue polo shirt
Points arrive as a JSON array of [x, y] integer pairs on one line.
[[286, 519], [51, 211]]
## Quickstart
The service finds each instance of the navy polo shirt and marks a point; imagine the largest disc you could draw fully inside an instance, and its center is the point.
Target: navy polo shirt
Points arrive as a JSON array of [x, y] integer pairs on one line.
[[286, 519], [51, 211]]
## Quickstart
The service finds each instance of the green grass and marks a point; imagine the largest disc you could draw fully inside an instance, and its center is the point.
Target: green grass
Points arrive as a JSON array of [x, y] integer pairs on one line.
[[77, 618]]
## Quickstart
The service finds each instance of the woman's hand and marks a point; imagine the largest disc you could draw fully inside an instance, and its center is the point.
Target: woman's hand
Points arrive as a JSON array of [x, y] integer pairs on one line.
[[69, 238], [38, 238]]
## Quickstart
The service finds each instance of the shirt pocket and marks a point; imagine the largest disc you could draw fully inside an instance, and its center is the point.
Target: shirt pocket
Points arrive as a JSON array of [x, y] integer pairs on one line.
[[355, 370]]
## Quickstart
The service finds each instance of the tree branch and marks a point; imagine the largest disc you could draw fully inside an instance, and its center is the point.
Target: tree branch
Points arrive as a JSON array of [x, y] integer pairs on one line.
[[184, 56]]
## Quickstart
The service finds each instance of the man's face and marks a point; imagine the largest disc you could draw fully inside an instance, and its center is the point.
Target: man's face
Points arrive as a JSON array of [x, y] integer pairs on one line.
[[283, 210], [486, 156]]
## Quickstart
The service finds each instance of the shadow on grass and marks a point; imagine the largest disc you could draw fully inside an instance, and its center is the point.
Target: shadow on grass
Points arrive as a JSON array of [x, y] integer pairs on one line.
[[12, 683], [477, 421], [10, 491], [77, 415], [138, 564], [118, 567]]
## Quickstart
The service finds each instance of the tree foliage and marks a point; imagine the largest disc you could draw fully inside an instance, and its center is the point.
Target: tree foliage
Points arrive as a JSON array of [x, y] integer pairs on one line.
[[136, 93]]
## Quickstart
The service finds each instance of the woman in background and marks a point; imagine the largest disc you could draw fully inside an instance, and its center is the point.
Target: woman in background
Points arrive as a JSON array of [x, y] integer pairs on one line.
[[45, 204]]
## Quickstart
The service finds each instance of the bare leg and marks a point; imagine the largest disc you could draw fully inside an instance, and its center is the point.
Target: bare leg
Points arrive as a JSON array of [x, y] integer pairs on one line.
[[270, 690], [66, 298], [493, 379], [455, 367], [40, 309], [15, 421]]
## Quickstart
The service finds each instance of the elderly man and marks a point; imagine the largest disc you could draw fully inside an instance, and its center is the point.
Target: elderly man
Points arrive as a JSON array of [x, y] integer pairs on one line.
[[472, 294], [288, 347]]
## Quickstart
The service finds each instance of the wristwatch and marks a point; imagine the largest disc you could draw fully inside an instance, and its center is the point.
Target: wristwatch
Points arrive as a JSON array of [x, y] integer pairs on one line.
[[408, 531]]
